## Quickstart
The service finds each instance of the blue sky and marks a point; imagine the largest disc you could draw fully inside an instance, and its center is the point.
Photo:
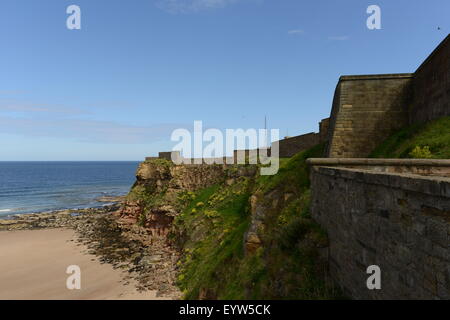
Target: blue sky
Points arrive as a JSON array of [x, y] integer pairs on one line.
[[138, 69]]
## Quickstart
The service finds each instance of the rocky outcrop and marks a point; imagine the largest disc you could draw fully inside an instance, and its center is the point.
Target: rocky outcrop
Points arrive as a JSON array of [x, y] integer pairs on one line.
[[162, 175], [264, 208], [153, 174], [155, 198]]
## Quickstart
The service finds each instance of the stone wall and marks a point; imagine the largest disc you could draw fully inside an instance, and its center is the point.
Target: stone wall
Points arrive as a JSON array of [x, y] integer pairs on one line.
[[250, 156], [288, 147], [424, 167], [397, 221], [324, 125], [366, 110], [170, 155], [432, 86]]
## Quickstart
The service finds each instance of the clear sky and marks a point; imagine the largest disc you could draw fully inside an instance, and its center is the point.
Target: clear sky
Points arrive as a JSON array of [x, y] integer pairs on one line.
[[137, 69]]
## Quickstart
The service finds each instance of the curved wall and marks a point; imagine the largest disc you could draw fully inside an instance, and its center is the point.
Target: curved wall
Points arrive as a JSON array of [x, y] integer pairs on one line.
[[366, 110]]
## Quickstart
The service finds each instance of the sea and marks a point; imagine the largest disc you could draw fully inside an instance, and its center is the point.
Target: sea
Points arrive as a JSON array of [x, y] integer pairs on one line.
[[33, 187]]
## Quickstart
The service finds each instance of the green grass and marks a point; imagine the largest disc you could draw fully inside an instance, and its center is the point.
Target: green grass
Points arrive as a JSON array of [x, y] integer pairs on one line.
[[288, 265], [212, 227], [212, 230], [293, 171], [161, 162], [435, 135]]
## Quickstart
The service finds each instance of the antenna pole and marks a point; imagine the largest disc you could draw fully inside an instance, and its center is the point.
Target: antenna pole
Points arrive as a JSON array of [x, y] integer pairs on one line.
[[265, 130]]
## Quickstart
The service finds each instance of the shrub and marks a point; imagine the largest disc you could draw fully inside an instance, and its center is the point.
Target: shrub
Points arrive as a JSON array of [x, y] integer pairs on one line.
[[421, 153]]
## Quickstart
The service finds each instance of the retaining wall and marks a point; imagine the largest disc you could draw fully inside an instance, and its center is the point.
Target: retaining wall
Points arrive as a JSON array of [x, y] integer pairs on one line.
[[398, 221]]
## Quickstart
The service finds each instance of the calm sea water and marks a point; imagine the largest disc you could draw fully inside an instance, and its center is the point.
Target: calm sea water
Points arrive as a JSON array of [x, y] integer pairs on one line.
[[43, 186]]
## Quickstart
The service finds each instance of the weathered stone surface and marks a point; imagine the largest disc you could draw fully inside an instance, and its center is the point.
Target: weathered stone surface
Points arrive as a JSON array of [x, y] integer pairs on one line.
[[161, 178], [289, 146], [399, 222], [368, 108], [431, 86]]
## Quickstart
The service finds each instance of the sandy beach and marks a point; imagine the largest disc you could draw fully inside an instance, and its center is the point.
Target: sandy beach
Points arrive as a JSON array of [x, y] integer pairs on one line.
[[33, 265]]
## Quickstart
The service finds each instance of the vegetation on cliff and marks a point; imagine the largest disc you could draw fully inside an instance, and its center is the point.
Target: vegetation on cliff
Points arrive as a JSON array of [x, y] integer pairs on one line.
[[245, 236], [148, 191], [430, 140], [211, 232], [253, 238]]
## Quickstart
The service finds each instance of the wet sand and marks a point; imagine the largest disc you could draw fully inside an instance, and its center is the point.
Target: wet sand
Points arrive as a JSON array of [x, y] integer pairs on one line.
[[33, 265]]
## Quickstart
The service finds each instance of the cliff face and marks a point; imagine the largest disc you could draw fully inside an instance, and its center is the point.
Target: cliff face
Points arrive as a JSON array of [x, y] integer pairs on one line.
[[162, 189], [240, 235]]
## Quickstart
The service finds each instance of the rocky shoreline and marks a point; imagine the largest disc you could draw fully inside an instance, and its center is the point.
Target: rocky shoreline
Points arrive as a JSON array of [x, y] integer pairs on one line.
[[150, 262]]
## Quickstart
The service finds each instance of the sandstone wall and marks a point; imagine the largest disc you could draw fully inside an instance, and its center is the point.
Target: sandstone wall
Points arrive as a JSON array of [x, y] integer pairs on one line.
[[250, 156], [288, 147], [431, 94], [400, 222], [170, 155], [324, 125], [366, 110]]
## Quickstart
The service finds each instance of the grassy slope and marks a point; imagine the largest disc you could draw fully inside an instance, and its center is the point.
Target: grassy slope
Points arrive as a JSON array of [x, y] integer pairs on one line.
[[435, 135], [212, 229], [292, 239]]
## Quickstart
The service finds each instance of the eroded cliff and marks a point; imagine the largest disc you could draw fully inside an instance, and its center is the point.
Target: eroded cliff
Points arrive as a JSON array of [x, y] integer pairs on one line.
[[239, 234], [162, 189]]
